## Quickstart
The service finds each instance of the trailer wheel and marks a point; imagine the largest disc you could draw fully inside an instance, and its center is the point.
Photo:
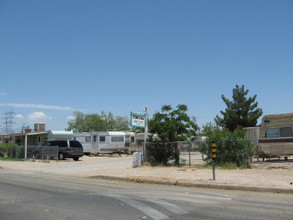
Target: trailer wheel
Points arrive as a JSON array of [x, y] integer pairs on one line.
[[286, 158], [61, 156]]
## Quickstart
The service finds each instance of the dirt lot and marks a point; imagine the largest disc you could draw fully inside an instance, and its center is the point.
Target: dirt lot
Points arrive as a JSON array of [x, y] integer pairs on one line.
[[275, 173]]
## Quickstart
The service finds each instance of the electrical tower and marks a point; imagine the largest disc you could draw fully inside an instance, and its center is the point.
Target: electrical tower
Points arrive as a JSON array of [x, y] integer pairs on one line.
[[8, 122]]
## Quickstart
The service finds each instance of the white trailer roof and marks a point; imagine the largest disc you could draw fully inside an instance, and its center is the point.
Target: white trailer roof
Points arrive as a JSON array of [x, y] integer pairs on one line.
[[114, 133]]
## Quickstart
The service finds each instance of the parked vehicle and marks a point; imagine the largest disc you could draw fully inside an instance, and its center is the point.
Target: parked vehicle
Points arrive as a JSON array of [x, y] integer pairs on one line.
[[276, 135], [66, 149], [101, 142]]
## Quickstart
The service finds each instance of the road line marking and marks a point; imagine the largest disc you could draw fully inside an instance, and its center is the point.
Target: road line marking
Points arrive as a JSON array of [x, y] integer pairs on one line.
[[153, 213], [169, 206]]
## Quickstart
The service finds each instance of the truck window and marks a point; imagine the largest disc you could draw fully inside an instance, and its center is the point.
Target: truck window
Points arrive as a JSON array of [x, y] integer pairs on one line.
[[75, 144], [61, 143]]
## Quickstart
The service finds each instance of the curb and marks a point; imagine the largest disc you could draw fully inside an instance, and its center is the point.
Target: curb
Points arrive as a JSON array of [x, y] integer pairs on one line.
[[196, 185]]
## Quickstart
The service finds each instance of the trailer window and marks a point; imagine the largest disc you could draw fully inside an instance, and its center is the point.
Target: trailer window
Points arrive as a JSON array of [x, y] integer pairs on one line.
[[273, 133], [102, 138], [286, 132], [279, 132], [139, 142], [95, 138], [88, 139], [117, 139]]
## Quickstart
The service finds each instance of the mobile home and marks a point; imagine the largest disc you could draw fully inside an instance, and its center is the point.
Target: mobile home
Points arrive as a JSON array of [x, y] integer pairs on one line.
[[101, 142], [134, 141], [276, 135]]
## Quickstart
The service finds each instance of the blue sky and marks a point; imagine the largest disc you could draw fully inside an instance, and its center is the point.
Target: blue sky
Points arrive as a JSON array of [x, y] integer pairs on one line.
[[57, 57]]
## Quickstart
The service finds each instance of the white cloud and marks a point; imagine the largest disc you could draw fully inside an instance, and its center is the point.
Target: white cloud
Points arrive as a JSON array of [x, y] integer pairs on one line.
[[39, 106], [18, 116], [38, 117], [3, 93], [70, 118]]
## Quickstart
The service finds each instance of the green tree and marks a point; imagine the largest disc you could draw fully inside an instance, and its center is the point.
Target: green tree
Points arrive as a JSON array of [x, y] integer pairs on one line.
[[170, 126], [95, 122], [241, 112], [173, 125]]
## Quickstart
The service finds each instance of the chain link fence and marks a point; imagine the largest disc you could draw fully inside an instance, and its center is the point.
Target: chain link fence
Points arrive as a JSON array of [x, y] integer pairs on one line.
[[193, 153], [190, 153], [33, 152]]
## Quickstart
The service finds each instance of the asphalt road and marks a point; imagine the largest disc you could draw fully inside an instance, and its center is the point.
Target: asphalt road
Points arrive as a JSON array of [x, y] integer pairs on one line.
[[31, 196]]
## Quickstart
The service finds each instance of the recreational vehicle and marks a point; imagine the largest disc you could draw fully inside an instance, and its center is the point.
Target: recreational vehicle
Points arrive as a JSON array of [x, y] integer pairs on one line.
[[276, 135], [134, 142], [101, 142]]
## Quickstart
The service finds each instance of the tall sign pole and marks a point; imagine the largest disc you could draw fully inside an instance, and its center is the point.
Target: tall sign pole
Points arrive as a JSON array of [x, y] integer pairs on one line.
[[145, 134], [138, 120]]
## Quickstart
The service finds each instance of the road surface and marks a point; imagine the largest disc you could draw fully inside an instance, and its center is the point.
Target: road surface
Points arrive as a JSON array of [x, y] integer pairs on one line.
[[39, 196]]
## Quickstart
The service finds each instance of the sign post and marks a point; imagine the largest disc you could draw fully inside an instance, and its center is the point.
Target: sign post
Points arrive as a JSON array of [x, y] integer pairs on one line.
[[214, 150], [140, 121], [145, 135]]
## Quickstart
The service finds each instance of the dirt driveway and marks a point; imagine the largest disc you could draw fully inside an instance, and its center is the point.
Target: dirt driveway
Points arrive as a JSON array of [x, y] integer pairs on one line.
[[275, 174]]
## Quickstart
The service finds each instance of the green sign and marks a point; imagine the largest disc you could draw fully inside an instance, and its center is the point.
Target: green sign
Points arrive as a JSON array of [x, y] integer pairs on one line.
[[137, 120]]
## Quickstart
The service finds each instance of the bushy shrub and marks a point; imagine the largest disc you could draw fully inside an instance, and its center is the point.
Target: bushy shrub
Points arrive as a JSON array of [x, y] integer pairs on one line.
[[232, 147], [11, 150], [163, 153]]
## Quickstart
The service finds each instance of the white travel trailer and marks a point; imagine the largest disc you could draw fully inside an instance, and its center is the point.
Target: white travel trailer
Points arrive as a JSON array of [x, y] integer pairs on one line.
[[276, 135], [101, 142], [60, 135]]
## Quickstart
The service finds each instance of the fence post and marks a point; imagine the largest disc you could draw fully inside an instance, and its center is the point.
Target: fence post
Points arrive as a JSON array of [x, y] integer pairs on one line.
[[247, 153], [189, 152], [165, 153], [57, 157], [146, 153]]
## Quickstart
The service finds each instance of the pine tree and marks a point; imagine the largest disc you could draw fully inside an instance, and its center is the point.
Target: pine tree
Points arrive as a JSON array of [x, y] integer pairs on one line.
[[241, 112]]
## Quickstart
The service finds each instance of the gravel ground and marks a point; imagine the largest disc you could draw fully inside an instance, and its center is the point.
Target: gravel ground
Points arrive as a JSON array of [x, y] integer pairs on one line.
[[275, 174]]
